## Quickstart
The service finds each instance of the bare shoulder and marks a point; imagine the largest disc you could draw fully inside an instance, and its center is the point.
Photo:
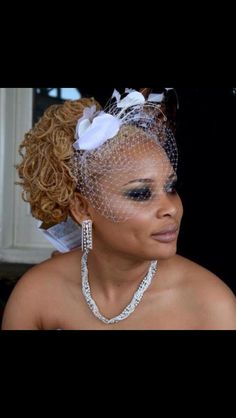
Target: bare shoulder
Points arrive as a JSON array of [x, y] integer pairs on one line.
[[37, 289], [215, 300]]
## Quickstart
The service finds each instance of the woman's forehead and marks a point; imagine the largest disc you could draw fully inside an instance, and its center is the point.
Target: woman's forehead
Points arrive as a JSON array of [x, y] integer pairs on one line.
[[129, 152], [151, 163]]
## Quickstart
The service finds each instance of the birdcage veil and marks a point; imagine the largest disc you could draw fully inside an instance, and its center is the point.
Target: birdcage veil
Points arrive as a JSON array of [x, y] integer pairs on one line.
[[124, 155]]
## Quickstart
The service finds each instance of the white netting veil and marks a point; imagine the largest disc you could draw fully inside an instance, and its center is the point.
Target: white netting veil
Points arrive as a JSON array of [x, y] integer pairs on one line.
[[125, 156]]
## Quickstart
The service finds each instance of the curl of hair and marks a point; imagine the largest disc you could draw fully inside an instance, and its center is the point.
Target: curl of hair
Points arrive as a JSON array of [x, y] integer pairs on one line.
[[45, 170]]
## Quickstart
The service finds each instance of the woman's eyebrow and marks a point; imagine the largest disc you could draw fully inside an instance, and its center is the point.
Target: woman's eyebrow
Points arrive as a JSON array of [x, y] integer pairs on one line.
[[172, 176], [140, 181], [169, 178]]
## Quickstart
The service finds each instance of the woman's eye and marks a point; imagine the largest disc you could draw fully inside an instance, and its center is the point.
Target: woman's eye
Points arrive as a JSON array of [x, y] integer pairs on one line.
[[143, 193], [171, 187]]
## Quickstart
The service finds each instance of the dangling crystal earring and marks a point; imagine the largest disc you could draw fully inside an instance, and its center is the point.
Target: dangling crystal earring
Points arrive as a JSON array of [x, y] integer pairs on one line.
[[87, 239]]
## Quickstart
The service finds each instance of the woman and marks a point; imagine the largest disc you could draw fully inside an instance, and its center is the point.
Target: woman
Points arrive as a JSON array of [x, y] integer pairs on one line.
[[114, 173]]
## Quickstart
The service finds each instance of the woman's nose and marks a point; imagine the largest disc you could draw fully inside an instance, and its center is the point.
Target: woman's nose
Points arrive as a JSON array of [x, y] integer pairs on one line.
[[167, 205]]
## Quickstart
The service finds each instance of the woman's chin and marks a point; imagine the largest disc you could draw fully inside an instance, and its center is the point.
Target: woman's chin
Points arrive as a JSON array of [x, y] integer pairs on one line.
[[164, 252]]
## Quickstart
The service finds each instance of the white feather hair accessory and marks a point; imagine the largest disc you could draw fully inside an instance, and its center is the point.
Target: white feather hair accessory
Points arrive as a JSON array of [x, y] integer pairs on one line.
[[128, 142]]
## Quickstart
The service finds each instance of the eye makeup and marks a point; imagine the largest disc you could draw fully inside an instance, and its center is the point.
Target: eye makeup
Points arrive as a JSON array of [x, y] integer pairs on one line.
[[139, 193], [145, 191], [171, 186]]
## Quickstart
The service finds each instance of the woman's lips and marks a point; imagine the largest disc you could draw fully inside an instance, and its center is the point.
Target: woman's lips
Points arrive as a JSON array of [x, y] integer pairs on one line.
[[167, 235]]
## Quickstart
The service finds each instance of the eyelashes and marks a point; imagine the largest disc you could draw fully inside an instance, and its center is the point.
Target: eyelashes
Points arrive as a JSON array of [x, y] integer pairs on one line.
[[141, 193], [146, 193], [171, 187]]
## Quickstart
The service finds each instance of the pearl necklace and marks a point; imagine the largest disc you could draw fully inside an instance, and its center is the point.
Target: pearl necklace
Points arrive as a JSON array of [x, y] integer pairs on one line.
[[130, 307]]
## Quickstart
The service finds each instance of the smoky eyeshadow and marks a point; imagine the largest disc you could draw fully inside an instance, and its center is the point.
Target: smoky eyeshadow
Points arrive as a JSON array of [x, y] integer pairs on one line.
[[145, 192], [171, 185], [138, 193]]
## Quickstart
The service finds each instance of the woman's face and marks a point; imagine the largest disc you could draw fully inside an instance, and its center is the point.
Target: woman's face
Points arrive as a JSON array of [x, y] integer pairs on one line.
[[146, 198]]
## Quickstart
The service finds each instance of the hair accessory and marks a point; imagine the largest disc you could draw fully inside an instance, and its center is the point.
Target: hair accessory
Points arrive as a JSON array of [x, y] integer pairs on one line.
[[94, 128], [125, 155]]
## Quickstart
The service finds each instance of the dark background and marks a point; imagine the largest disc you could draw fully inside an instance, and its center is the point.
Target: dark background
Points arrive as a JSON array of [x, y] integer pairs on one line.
[[206, 133]]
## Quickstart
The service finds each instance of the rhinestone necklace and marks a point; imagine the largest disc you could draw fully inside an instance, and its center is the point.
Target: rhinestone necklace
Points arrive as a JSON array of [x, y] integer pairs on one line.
[[130, 307]]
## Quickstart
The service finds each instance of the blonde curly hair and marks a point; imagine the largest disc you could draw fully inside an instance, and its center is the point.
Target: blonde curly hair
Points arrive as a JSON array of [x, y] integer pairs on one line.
[[46, 173]]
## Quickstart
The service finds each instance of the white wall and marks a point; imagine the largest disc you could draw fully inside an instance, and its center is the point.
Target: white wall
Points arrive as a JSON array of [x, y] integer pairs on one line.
[[19, 239]]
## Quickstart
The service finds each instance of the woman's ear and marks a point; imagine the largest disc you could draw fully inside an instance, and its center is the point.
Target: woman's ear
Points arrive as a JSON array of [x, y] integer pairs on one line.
[[79, 208]]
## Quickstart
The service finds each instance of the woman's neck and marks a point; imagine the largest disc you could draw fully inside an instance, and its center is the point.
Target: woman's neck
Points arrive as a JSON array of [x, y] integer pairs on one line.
[[113, 273]]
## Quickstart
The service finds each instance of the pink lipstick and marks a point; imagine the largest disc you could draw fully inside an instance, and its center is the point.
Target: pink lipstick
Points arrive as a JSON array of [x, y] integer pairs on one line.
[[168, 234]]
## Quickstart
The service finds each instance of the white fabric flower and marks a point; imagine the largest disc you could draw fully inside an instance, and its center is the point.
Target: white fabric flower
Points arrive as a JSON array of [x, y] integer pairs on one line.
[[92, 134], [154, 97], [116, 94], [133, 98], [95, 127], [85, 121]]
